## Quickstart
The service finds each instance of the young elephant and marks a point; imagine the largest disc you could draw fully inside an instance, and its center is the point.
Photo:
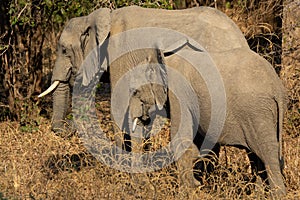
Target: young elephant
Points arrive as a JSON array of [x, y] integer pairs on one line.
[[255, 104], [237, 94]]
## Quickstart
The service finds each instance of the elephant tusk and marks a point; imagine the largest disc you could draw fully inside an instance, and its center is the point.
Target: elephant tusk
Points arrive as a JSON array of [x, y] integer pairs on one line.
[[50, 89], [134, 124]]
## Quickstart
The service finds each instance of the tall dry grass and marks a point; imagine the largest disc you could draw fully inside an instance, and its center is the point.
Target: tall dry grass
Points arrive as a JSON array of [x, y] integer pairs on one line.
[[42, 165]]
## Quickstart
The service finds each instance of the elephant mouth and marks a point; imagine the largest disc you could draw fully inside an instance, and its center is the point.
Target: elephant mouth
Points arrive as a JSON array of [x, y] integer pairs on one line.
[[141, 121]]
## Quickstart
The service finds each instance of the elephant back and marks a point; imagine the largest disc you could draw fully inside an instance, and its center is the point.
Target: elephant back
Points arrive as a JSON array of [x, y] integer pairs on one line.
[[211, 28]]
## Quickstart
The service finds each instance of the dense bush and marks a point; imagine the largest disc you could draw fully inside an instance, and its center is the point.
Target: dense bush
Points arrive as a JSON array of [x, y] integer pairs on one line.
[[29, 31]]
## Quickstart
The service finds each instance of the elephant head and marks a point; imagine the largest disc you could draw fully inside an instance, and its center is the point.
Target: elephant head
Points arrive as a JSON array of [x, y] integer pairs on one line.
[[148, 88], [79, 37], [83, 36]]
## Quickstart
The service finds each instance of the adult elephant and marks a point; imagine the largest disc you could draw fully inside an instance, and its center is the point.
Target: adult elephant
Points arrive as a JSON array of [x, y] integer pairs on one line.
[[254, 97]]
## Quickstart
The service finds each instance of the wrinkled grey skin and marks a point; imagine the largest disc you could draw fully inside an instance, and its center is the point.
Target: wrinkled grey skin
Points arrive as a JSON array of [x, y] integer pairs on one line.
[[254, 93]]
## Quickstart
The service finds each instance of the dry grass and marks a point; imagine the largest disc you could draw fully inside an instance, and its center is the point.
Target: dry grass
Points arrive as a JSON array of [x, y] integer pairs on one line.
[[42, 165]]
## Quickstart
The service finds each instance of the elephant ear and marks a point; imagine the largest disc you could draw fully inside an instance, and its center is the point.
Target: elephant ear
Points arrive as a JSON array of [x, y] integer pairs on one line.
[[157, 74], [93, 41], [102, 19], [87, 41], [160, 96], [165, 49]]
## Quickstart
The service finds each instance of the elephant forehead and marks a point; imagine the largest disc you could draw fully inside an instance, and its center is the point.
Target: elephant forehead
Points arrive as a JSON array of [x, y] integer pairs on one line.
[[76, 24], [67, 39], [144, 93]]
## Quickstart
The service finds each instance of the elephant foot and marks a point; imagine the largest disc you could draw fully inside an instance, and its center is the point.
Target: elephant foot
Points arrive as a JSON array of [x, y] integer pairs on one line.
[[188, 180], [187, 188], [64, 129], [141, 182], [279, 193]]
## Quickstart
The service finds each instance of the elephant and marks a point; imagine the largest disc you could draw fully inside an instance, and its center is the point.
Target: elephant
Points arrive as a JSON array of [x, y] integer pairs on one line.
[[246, 91]]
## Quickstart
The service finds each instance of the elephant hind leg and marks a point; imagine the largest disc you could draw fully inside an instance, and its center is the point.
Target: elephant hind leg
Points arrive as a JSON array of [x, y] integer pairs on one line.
[[257, 167], [266, 163], [205, 166]]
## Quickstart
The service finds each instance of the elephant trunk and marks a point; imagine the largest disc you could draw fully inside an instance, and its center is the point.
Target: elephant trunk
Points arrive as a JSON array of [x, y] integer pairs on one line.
[[60, 105]]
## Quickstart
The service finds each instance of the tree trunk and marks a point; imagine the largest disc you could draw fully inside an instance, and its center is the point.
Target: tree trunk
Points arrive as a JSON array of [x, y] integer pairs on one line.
[[291, 61]]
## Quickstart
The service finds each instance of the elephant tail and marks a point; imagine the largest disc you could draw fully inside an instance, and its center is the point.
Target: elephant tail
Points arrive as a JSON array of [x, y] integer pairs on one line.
[[281, 104]]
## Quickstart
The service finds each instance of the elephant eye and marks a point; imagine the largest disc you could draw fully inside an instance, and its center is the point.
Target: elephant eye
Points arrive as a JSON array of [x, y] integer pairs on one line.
[[134, 92], [64, 50]]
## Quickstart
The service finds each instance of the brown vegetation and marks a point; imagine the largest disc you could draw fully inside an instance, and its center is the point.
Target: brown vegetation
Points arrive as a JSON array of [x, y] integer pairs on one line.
[[41, 165]]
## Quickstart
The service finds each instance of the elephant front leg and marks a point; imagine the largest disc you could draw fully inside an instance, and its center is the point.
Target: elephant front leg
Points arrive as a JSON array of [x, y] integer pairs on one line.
[[139, 161], [119, 142], [185, 152], [185, 167], [137, 149]]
